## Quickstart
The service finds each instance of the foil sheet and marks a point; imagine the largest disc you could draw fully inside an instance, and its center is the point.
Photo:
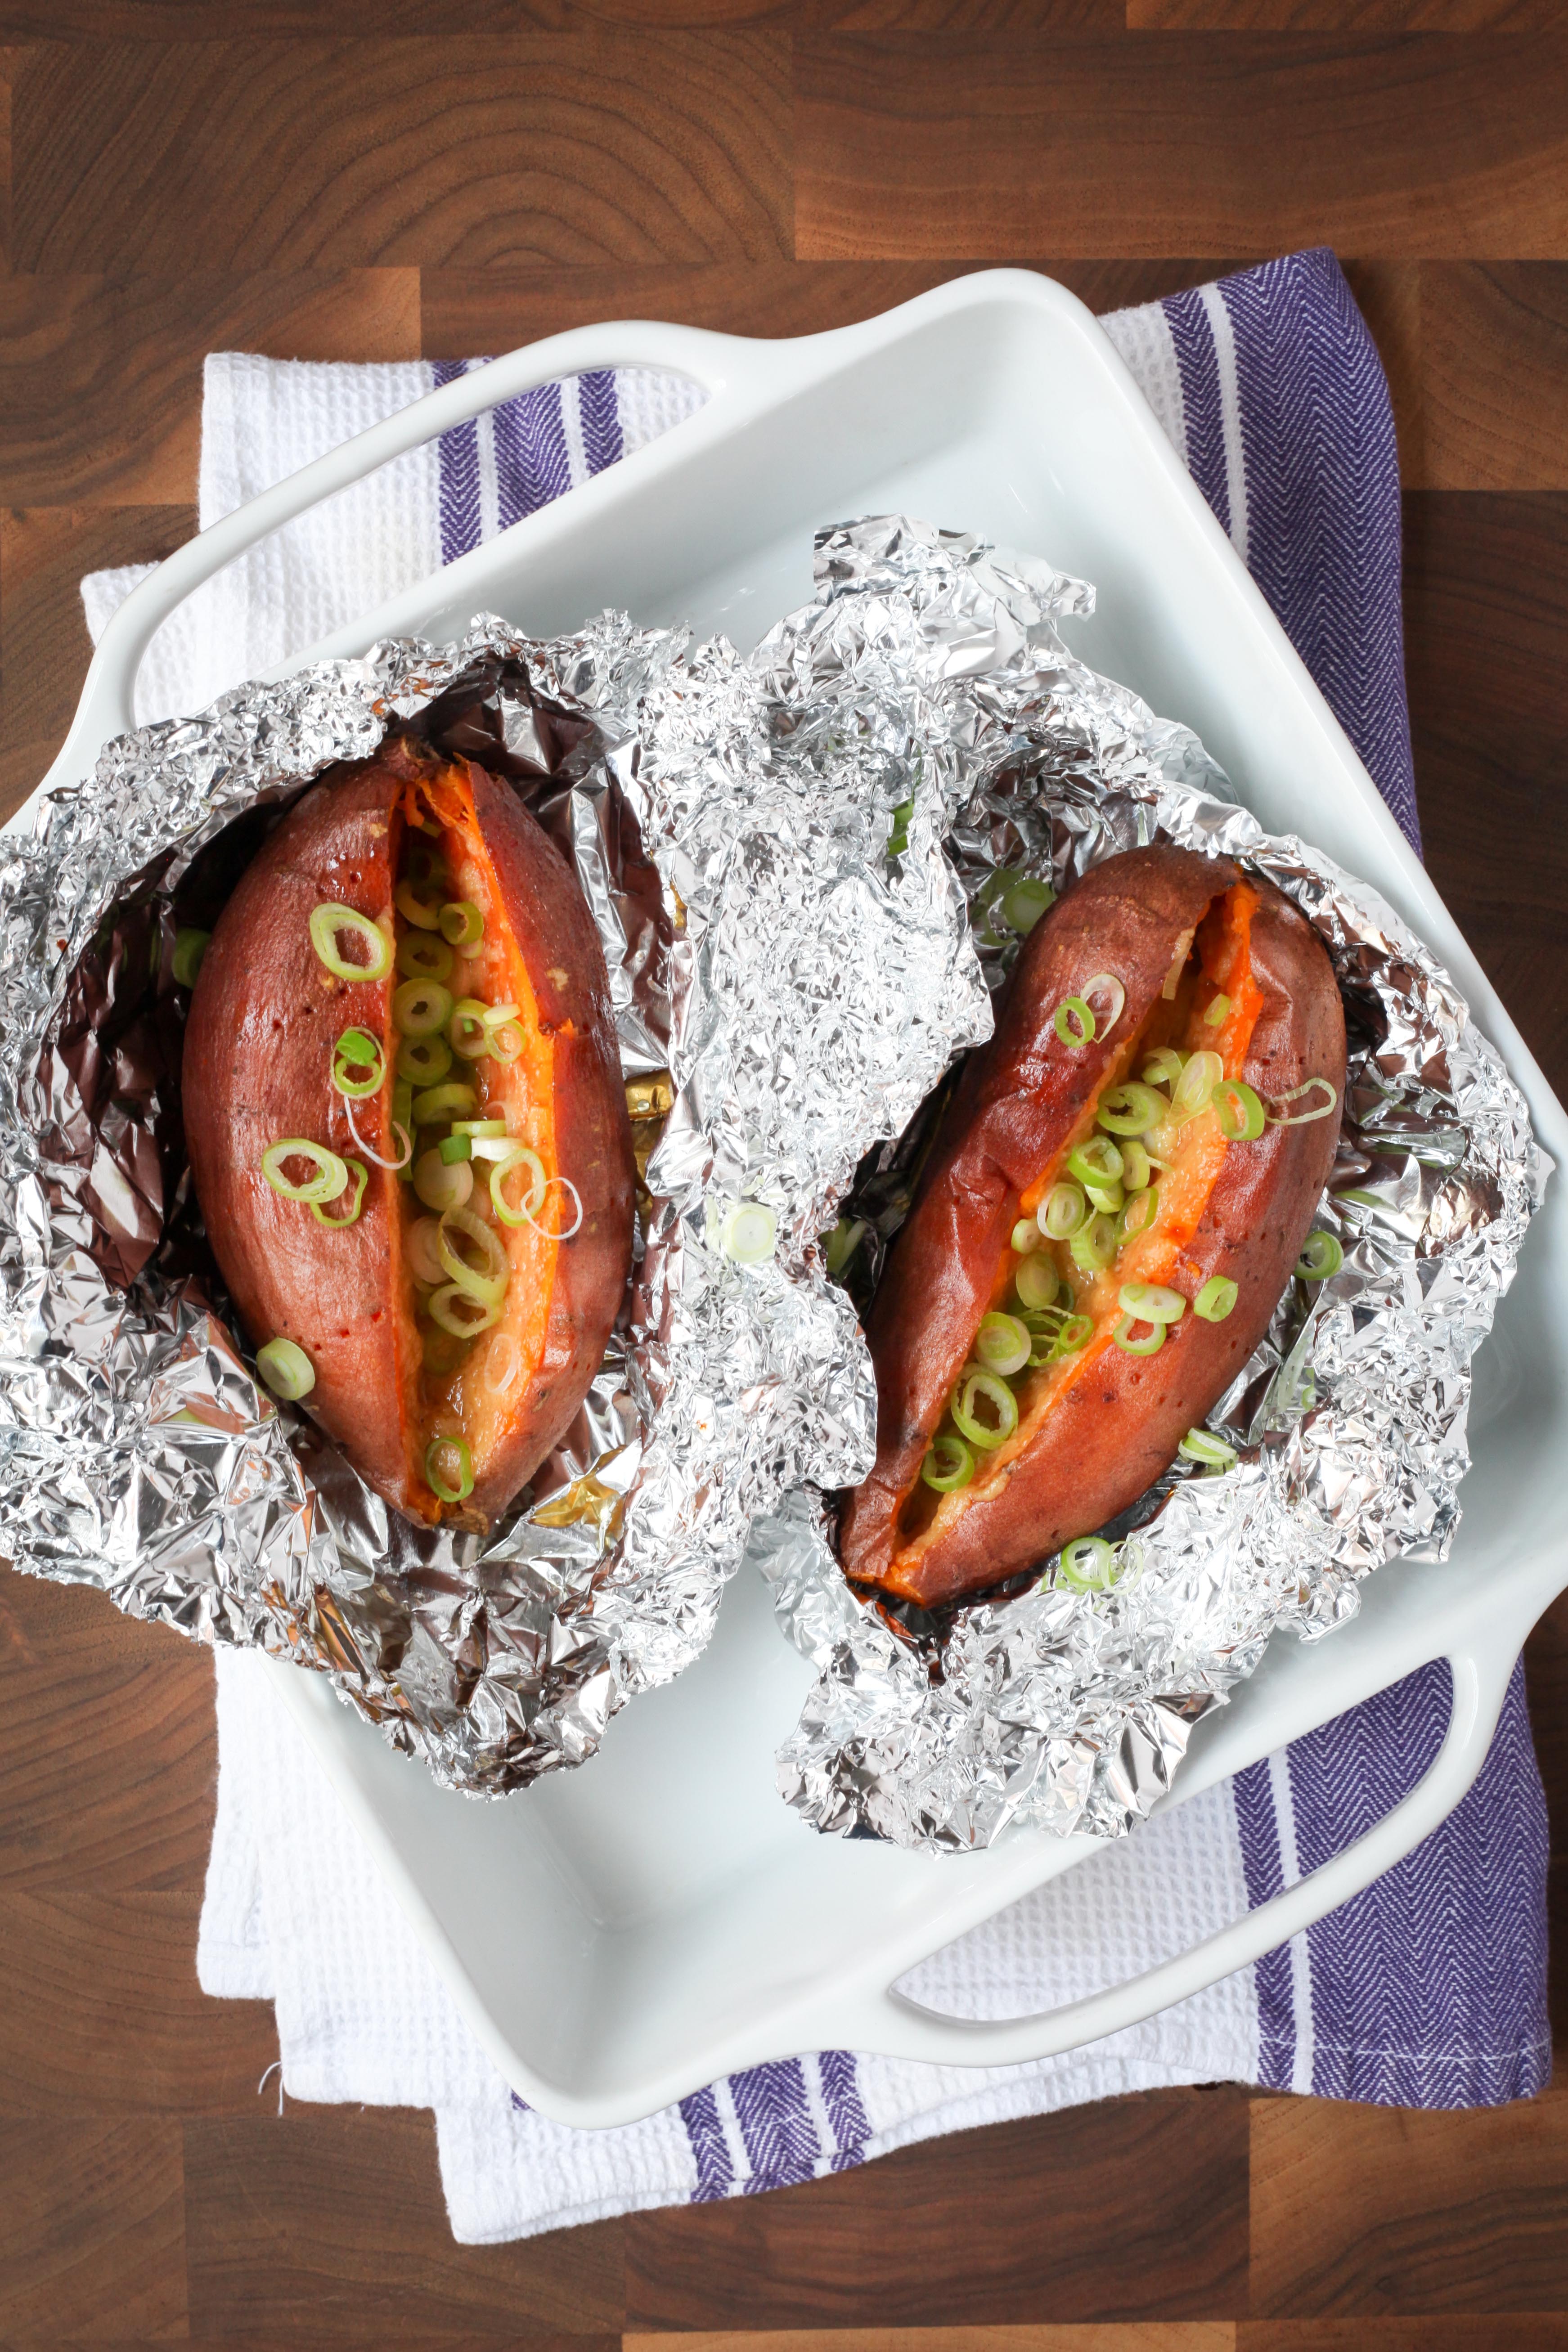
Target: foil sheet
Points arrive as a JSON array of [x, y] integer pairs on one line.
[[784, 993], [1071, 1711]]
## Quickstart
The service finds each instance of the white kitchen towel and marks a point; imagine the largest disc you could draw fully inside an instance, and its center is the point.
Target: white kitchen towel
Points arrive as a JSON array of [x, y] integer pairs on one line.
[[1428, 1990]]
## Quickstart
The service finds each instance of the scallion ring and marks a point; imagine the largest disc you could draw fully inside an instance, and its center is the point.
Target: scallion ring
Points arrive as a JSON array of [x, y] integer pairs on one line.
[[420, 958], [487, 1281], [1201, 1445], [1094, 1247], [420, 1007], [357, 1050], [361, 1176], [1074, 1023], [976, 1386], [1024, 901], [519, 1157], [1026, 1236], [1219, 1013], [466, 1029], [1139, 1214], [1151, 1302], [425, 913], [423, 1060], [1216, 1298], [462, 925], [419, 1249], [331, 1173], [1239, 1110], [440, 1186], [1149, 1346], [457, 1310], [328, 921], [1129, 1108], [477, 1126], [1320, 1259], [287, 1369], [1063, 1212], [1107, 997], [1043, 1326], [1135, 1165], [189, 947], [947, 1465], [455, 1148], [1201, 1074], [1096, 1161], [449, 1467], [1088, 1565], [402, 1137], [1075, 1333], [749, 1233], [506, 1043], [1305, 1117], [497, 1015], [1002, 1343], [439, 1106], [1163, 1067], [1106, 1198], [1037, 1281]]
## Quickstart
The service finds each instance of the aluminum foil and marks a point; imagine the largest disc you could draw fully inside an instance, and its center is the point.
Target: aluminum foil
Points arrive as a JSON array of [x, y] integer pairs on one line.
[[783, 992], [1061, 1709]]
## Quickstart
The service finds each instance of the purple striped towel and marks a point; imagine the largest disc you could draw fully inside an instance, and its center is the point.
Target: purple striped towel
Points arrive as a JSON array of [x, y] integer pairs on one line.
[[1429, 1989]]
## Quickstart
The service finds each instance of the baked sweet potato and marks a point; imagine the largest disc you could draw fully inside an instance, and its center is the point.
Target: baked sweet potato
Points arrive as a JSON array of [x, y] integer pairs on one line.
[[1208, 1173], [452, 1309]]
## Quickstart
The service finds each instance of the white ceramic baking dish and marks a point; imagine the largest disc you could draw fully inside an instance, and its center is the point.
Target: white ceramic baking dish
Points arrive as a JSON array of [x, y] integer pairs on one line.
[[621, 1935]]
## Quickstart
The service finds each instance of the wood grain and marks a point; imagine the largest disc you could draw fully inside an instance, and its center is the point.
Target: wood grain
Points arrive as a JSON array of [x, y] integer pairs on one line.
[[331, 2218], [1373, 2210], [988, 145], [1137, 2336], [91, 2229], [983, 2228], [580, 147], [101, 378], [1494, 343], [1361, 16]]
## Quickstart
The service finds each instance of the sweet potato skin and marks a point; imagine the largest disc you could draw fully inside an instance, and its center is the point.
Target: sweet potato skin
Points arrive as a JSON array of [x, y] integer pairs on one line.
[[1119, 1419], [264, 1018]]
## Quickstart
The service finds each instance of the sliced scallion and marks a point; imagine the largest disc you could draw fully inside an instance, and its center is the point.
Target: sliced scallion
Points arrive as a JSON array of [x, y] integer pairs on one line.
[[1131, 1108], [1239, 1110], [454, 1148], [1094, 1247], [1151, 1302], [449, 1467], [330, 921], [1304, 1118], [287, 1369], [976, 1386], [1151, 1346], [1201, 1445], [947, 1465], [1139, 1214], [466, 1029], [1074, 1023], [1088, 1565], [1037, 1281], [360, 1176], [1063, 1212], [420, 1251], [1320, 1259], [462, 925], [749, 1233], [1106, 996], [1163, 1067], [1002, 1343], [189, 947], [1216, 1298], [1201, 1074], [533, 1167], [487, 1280], [439, 1106], [331, 1173], [420, 1007], [359, 1064], [440, 1186], [1095, 1162], [425, 913], [1135, 1165], [1026, 1236], [422, 958], [1219, 1013], [457, 1310], [1024, 901], [423, 1060]]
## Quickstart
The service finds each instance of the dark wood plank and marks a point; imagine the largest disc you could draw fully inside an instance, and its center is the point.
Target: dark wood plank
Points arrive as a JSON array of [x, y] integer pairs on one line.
[[107, 1761], [580, 147], [487, 310], [1486, 610], [1431, 145], [1344, 15], [79, 21], [1372, 2210], [91, 2231], [1008, 2225], [44, 552], [100, 379], [1135, 2336], [1543, 2332], [135, 2035], [331, 2219], [1494, 342]]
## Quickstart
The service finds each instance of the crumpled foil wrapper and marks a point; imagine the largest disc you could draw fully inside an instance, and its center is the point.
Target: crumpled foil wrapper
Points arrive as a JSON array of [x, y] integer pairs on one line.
[[801, 989], [1060, 1709]]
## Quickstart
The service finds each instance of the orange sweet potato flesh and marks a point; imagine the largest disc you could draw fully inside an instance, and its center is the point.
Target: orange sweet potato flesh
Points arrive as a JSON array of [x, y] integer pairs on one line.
[[264, 1019], [1098, 1428]]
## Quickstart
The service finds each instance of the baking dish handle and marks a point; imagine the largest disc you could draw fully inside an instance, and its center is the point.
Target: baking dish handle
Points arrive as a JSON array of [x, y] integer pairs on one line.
[[733, 369], [894, 2026]]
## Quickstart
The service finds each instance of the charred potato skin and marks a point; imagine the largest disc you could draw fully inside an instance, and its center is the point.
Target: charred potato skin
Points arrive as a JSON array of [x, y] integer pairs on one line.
[[265, 1016], [1118, 1421]]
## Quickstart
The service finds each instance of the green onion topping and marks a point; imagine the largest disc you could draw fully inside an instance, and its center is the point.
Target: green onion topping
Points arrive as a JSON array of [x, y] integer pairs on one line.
[[1063, 1212], [1074, 1023], [1201, 1445], [1094, 1247], [454, 1148], [419, 958], [486, 1281], [1037, 1281], [420, 1251], [1024, 901], [331, 1173], [1139, 1214], [1088, 1565], [1321, 1258], [457, 1311], [1305, 1117], [1238, 1111], [1216, 1298], [1200, 1075], [287, 1369], [1026, 1236], [520, 1156], [466, 1029], [1163, 1067], [439, 1185], [949, 1466], [1002, 1343], [424, 912], [357, 1050], [423, 1061], [977, 1387], [329, 921], [1098, 1161], [1134, 1165], [349, 1216], [438, 1105], [1106, 1197], [898, 838], [748, 1233], [449, 1467], [1151, 1302], [420, 1007], [506, 1043], [462, 925], [1131, 1108], [1149, 1346], [1217, 1013], [189, 947]]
